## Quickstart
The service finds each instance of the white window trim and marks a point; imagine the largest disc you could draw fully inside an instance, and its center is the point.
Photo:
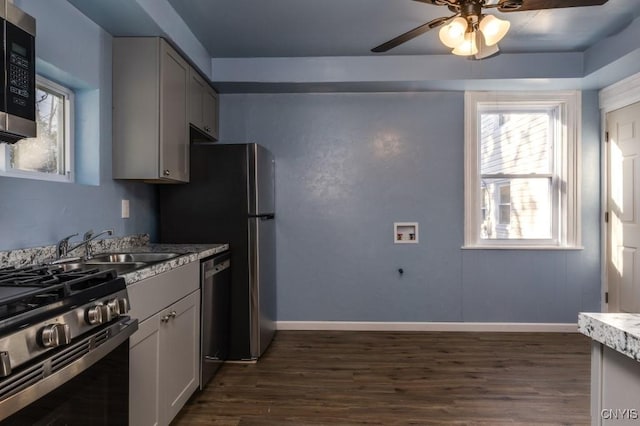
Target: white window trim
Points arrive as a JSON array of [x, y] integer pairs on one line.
[[69, 101], [569, 235]]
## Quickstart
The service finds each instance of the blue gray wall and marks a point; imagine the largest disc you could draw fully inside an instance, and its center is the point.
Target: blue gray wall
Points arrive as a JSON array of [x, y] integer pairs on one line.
[[350, 165], [74, 51]]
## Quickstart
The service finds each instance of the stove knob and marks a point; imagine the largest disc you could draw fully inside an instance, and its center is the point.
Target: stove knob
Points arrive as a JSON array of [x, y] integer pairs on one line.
[[124, 306], [54, 335], [106, 313], [94, 314], [114, 308]]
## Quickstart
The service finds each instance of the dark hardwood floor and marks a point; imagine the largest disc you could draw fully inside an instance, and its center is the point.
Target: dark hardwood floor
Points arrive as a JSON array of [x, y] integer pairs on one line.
[[402, 378]]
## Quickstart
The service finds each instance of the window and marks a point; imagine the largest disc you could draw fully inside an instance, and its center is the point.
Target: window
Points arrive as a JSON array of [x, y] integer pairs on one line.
[[504, 205], [521, 169], [49, 156]]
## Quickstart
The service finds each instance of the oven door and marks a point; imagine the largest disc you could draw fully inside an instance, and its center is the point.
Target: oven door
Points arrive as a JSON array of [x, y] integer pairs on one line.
[[92, 389]]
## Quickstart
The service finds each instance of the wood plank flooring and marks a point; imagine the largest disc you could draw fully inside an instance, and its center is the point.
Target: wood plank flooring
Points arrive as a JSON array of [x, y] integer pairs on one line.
[[402, 378]]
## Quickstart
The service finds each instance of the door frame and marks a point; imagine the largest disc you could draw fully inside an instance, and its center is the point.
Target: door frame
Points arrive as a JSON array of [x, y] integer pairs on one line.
[[618, 95]]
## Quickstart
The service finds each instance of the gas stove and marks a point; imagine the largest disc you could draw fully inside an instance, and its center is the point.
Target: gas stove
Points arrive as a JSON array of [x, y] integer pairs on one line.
[[29, 293], [49, 314]]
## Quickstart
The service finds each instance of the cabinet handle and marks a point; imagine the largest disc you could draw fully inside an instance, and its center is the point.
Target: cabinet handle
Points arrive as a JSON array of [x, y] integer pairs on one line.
[[169, 316], [207, 128], [166, 172]]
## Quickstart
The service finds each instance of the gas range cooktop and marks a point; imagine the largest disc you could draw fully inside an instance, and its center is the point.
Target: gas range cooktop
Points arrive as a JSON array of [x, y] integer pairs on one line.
[[30, 292], [43, 307]]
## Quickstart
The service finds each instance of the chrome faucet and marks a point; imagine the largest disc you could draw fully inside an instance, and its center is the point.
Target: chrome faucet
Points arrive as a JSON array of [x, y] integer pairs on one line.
[[88, 237], [62, 248]]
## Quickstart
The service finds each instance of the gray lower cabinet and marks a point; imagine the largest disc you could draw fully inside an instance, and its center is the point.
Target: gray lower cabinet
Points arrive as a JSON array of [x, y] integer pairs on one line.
[[150, 111], [164, 353]]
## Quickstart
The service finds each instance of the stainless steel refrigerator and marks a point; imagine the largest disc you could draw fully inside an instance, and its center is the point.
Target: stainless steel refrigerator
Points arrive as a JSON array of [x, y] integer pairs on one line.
[[230, 198]]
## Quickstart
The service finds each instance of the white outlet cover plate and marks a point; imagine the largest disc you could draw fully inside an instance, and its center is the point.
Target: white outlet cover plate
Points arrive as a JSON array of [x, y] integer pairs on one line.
[[125, 209]]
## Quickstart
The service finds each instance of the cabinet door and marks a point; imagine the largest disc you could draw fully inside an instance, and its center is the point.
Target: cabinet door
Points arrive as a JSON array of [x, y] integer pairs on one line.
[[136, 103], [210, 112], [174, 128], [144, 374], [196, 90], [180, 353]]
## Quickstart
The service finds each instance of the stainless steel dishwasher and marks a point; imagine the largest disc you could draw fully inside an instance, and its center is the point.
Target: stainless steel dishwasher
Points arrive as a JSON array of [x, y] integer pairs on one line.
[[215, 278]]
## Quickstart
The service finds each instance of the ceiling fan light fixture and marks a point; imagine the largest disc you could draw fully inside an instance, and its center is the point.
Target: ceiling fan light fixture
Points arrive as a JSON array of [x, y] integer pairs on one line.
[[468, 46], [493, 29], [453, 34], [485, 51]]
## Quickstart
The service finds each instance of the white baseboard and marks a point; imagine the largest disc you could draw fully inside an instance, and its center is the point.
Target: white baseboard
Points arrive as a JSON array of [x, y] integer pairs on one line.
[[429, 326]]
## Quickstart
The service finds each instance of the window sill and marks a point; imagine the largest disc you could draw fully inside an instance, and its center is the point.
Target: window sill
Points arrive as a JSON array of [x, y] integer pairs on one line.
[[523, 247], [37, 176]]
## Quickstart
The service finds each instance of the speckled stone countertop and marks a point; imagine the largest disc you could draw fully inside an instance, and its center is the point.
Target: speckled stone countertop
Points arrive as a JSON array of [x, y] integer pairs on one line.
[[38, 255], [618, 331], [190, 253], [132, 243]]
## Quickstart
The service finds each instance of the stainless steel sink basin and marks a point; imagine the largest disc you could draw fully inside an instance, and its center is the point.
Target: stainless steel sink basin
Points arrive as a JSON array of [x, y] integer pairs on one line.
[[120, 262], [120, 268], [147, 257], [70, 266]]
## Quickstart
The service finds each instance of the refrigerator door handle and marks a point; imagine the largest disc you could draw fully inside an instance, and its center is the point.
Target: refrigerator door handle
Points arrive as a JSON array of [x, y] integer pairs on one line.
[[268, 216]]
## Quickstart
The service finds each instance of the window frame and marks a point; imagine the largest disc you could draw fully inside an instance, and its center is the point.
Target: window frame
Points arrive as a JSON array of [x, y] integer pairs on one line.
[[566, 225], [69, 166]]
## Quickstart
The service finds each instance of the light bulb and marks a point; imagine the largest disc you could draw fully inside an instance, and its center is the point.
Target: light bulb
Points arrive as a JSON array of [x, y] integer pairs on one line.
[[493, 29], [468, 46], [452, 34]]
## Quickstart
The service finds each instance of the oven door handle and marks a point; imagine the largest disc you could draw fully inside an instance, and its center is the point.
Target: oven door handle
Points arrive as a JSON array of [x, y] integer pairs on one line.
[[116, 334]]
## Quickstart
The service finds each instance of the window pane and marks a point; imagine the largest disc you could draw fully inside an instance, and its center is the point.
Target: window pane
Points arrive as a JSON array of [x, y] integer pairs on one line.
[[505, 215], [505, 194], [44, 153], [527, 213], [513, 143], [504, 211]]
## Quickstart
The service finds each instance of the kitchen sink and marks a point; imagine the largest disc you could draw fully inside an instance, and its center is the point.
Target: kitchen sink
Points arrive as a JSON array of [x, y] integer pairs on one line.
[[147, 257], [120, 268], [120, 262]]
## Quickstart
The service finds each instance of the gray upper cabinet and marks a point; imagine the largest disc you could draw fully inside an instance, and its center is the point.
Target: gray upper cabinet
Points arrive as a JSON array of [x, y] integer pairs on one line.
[[150, 111], [203, 107]]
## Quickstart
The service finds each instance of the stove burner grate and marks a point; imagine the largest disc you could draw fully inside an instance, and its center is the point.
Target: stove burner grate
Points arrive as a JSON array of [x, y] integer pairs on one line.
[[46, 288]]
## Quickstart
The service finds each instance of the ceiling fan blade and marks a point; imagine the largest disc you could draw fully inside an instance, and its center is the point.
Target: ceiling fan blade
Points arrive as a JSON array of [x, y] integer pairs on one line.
[[513, 6], [409, 35]]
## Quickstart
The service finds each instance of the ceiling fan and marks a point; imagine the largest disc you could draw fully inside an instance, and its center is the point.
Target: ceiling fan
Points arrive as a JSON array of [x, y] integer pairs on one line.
[[471, 32]]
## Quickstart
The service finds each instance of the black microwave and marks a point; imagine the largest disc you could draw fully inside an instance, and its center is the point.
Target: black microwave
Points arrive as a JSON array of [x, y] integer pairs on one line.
[[18, 85]]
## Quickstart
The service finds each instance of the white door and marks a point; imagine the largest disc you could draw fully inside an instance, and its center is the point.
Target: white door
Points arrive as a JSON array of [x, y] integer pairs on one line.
[[623, 243]]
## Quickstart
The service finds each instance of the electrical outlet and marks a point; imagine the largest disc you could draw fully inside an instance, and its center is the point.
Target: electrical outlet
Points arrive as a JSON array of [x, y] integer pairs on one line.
[[125, 209]]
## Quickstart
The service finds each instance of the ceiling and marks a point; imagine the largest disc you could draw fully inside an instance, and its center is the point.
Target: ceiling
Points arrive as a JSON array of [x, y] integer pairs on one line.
[[304, 28]]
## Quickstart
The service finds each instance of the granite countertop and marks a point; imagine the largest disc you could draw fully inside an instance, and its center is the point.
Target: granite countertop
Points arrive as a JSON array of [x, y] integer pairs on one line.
[[190, 253], [128, 244], [619, 331]]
